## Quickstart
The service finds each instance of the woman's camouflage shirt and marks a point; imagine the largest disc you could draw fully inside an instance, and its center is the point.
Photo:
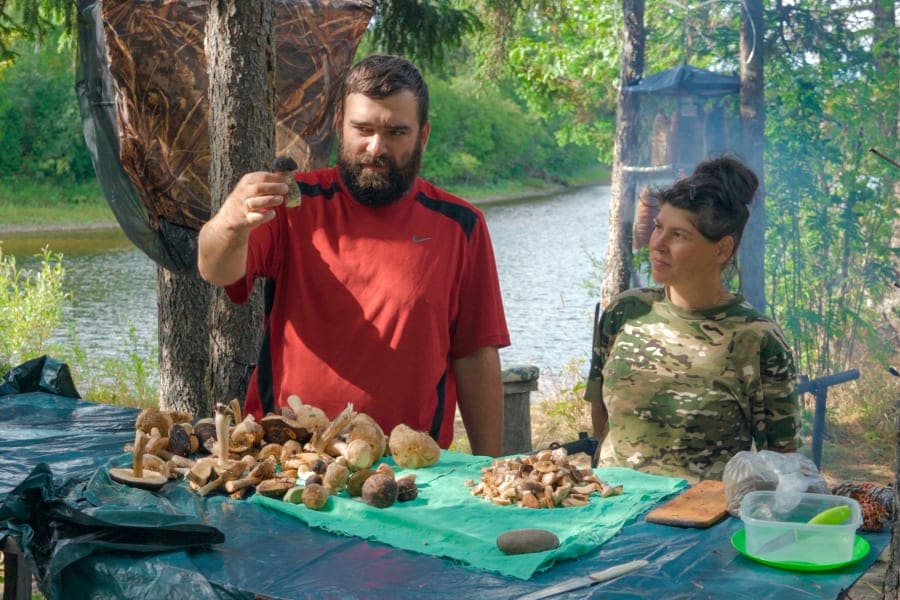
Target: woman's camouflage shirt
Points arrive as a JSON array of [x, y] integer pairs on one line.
[[687, 390]]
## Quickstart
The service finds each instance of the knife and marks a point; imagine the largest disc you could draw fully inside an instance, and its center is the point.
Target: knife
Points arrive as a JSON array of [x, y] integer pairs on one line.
[[579, 582]]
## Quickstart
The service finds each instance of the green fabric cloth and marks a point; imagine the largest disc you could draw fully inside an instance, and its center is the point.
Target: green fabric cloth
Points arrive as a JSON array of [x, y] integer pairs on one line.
[[447, 521]]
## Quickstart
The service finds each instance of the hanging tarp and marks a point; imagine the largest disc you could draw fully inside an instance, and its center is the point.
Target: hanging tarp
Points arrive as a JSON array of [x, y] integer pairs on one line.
[[142, 89], [686, 80]]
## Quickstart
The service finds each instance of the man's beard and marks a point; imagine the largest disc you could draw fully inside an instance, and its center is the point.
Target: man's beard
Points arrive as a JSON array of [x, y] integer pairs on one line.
[[374, 188]]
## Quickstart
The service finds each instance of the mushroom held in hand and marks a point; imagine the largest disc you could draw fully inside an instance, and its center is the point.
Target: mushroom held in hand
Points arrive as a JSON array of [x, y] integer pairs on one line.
[[285, 166], [413, 449], [137, 476]]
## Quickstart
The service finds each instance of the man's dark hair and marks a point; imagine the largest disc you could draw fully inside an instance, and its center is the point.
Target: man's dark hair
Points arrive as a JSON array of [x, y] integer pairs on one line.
[[382, 75], [718, 194]]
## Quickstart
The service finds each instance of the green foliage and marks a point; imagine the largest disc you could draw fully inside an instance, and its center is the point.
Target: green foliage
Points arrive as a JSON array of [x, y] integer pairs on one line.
[[563, 412], [481, 136], [40, 126], [421, 31], [129, 381], [563, 59], [30, 307], [33, 20], [831, 204]]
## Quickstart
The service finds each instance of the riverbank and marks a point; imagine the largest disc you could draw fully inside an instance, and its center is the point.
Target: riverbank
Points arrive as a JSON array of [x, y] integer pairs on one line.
[[36, 208]]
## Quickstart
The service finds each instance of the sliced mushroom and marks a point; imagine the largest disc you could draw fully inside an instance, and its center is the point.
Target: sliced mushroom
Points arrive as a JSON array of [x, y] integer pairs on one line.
[[226, 472], [274, 488], [262, 471], [334, 429]]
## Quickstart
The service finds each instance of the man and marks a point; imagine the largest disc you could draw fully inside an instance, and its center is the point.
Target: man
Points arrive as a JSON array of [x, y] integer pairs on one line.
[[382, 289]]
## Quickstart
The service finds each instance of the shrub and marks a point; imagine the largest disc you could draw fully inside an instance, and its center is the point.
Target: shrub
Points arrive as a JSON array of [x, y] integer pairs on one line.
[[30, 307]]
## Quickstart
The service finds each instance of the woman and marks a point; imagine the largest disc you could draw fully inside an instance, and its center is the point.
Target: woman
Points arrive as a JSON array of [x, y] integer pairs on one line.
[[686, 375]]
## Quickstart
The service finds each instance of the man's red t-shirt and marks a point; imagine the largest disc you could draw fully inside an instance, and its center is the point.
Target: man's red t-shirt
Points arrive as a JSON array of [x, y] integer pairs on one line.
[[371, 305]]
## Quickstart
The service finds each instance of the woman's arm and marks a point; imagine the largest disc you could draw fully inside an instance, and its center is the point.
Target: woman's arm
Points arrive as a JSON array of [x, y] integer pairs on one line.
[[778, 378]]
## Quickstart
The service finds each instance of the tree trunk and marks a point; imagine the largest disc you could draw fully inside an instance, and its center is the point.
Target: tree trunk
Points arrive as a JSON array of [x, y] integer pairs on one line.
[[753, 124], [891, 588], [885, 55], [622, 190], [183, 303], [240, 53]]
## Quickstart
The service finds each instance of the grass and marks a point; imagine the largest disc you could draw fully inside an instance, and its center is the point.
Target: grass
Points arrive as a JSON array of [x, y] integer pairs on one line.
[[526, 187], [26, 204], [29, 205]]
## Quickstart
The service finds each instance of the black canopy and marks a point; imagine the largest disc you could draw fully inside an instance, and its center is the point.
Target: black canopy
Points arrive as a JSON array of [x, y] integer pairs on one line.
[[686, 80]]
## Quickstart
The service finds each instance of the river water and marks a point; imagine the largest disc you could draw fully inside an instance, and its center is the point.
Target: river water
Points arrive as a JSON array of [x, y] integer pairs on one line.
[[546, 250]]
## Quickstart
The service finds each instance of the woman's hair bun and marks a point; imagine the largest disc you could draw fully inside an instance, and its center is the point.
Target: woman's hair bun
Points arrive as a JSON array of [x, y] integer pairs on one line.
[[738, 181]]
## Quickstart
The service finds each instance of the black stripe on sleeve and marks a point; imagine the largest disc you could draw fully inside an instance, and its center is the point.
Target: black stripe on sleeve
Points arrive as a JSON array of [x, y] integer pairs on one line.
[[310, 190], [466, 217]]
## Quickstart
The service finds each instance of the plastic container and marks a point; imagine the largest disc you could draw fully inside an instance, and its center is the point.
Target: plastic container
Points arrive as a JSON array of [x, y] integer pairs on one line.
[[777, 527]]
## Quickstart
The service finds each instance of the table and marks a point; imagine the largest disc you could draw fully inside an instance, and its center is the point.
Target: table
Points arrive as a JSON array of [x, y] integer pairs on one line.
[[269, 555]]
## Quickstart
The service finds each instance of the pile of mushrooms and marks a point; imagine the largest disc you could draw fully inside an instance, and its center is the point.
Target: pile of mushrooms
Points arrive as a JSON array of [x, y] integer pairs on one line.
[[270, 456], [546, 479]]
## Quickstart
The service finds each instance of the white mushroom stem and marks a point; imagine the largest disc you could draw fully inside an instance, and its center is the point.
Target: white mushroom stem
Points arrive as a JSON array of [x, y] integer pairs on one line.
[[295, 403], [335, 428], [226, 473], [236, 409], [263, 470], [180, 461], [222, 434], [137, 454]]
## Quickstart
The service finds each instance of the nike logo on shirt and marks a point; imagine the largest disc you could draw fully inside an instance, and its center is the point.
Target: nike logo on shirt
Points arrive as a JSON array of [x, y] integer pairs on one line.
[[418, 240]]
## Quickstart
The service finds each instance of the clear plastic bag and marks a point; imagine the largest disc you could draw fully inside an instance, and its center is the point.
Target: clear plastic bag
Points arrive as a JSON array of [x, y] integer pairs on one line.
[[766, 470]]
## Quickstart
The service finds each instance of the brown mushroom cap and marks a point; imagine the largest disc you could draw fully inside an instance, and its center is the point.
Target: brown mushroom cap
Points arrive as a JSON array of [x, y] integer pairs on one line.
[[137, 476], [274, 488], [315, 496], [279, 429], [179, 440], [413, 449], [311, 418], [365, 428], [149, 479], [407, 489], [205, 429], [180, 416], [152, 417], [380, 491]]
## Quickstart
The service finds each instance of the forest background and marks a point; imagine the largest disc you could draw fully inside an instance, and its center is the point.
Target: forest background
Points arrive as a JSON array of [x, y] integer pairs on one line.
[[524, 95]]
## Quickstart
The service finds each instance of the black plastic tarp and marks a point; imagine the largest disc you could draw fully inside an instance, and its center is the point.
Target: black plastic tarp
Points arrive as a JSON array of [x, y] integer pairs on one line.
[[97, 539], [686, 80]]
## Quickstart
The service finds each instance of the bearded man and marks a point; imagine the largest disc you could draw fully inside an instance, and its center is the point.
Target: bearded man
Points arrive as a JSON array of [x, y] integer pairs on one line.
[[381, 289]]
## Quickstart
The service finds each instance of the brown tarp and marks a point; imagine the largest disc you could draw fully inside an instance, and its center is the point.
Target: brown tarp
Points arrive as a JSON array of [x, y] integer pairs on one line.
[[143, 92]]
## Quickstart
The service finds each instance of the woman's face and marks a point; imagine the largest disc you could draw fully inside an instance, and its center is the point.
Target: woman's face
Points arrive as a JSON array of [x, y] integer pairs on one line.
[[680, 255]]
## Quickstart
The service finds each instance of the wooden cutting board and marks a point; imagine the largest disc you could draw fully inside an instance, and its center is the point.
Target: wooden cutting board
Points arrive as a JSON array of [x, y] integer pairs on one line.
[[701, 505]]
